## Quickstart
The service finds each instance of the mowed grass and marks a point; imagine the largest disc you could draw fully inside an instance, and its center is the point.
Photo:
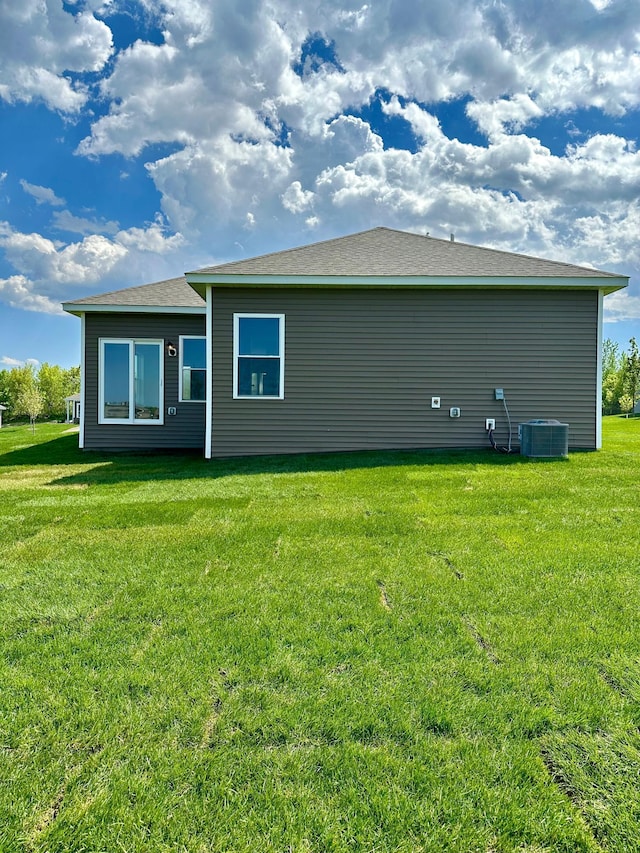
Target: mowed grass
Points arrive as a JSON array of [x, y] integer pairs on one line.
[[420, 651]]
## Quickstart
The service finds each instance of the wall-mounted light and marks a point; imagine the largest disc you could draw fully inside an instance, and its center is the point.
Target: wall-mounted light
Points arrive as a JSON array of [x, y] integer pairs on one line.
[[171, 350]]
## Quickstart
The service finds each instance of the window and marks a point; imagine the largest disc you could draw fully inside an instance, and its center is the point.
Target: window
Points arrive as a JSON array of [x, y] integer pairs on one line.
[[193, 368], [131, 377], [258, 350]]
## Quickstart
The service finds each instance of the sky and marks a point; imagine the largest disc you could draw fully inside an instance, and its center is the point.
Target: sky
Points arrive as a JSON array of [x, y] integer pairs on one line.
[[141, 139]]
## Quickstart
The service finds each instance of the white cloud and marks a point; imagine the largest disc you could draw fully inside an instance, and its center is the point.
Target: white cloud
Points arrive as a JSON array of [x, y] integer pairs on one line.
[[17, 291], [64, 220], [215, 184], [621, 306], [42, 195], [48, 270], [503, 114], [9, 362], [236, 64], [264, 156], [39, 42], [295, 199], [77, 263], [150, 239]]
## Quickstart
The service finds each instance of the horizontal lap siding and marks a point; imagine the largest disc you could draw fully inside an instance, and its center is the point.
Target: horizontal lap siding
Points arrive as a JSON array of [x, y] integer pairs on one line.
[[361, 368], [185, 429]]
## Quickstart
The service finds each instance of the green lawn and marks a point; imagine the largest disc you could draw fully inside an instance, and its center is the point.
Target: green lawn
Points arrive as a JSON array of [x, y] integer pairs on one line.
[[365, 652]]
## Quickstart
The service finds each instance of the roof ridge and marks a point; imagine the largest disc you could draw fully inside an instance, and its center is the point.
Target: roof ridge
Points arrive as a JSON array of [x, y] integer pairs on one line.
[[298, 248]]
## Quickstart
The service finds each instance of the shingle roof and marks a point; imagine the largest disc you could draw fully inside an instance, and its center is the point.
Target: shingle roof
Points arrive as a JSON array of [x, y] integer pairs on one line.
[[170, 293], [379, 252], [387, 252]]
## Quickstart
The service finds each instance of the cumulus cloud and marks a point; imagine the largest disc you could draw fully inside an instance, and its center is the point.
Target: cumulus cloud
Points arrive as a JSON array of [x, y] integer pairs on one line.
[[150, 239], [17, 291], [512, 114], [77, 263], [48, 270], [39, 42], [295, 199], [264, 142], [236, 166]]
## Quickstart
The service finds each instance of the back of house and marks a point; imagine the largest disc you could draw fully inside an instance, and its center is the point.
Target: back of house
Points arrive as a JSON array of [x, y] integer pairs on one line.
[[378, 340]]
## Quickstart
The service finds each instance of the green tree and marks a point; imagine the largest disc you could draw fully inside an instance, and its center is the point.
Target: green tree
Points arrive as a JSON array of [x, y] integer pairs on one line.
[[14, 383], [631, 380], [4, 386], [55, 383], [612, 377], [610, 357], [51, 385], [72, 377]]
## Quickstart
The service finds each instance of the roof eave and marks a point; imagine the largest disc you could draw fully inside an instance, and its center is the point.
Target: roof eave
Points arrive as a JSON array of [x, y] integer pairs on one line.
[[78, 308], [607, 284]]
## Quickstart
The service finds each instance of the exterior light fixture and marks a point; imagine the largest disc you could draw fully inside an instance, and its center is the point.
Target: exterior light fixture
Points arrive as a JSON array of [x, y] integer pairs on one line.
[[171, 350]]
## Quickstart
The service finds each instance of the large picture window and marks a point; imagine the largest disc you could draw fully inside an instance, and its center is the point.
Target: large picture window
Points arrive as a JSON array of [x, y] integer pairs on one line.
[[131, 382], [258, 349], [193, 368]]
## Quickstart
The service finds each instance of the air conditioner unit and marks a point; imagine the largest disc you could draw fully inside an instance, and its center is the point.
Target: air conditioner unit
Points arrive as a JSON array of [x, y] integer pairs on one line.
[[544, 439]]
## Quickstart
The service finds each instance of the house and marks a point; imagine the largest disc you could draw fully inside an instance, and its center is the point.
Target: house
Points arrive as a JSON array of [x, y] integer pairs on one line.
[[72, 403], [2, 409], [380, 339]]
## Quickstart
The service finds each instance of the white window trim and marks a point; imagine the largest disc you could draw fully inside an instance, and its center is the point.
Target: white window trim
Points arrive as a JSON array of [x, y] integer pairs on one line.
[[208, 410], [236, 355], [181, 366], [132, 419], [83, 380]]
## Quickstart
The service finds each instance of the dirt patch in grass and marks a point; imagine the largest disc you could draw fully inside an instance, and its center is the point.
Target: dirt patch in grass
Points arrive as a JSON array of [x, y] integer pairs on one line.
[[448, 563], [484, 644], [615, 685], [385, 603]]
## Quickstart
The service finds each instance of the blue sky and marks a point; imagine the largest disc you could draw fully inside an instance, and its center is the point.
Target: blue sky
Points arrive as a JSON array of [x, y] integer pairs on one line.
[[142, 139]]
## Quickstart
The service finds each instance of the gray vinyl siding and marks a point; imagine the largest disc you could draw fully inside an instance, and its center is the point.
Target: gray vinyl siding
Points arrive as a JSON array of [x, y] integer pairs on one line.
[[361, 367], [183, 430]]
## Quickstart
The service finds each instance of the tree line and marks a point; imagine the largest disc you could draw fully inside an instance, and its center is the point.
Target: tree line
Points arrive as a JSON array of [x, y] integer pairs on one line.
[[33, 392], [620, 378]]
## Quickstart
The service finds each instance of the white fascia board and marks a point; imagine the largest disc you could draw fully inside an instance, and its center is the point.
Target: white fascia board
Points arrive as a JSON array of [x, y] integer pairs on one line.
[[75, 308], [606, 284], [83, 380]]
